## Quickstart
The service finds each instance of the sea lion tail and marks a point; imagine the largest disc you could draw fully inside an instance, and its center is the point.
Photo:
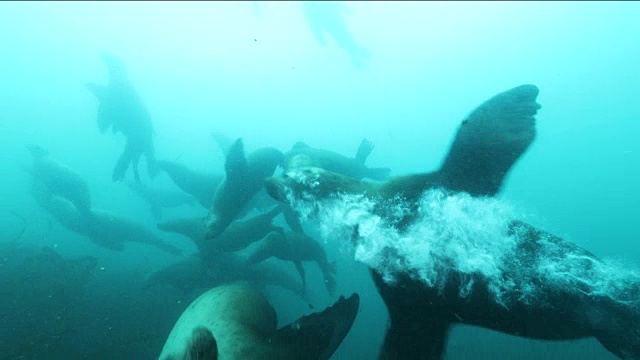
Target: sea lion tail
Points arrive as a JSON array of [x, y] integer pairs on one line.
[[318, 335]]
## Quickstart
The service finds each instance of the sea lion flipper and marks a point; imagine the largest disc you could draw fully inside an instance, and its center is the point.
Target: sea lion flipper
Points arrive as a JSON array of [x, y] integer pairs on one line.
[[318, 335], [364, 150], [300, 269], [98, 90], [235, 165], [490, 140]]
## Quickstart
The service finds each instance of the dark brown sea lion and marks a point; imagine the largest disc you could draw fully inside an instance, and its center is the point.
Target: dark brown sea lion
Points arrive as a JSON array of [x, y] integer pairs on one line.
[[574, 301]]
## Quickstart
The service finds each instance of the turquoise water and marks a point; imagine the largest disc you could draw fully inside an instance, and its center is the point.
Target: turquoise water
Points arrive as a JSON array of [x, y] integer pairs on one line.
[[403, 75]]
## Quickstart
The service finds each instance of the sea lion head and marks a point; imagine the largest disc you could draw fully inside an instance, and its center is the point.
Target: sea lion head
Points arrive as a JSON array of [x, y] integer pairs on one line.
[[310, 183], [37, 151]]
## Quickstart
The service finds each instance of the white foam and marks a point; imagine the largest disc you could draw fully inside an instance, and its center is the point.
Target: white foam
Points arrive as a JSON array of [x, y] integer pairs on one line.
[[457, 232]]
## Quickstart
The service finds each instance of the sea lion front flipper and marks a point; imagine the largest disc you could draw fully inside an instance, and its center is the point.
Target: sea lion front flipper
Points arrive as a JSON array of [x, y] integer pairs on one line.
[[364, 150], [300, 269], [318, 335], [490, 140], [292, 219]]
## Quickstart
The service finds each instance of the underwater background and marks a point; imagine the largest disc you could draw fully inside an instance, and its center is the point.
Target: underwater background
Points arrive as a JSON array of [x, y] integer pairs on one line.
[[401, 74]]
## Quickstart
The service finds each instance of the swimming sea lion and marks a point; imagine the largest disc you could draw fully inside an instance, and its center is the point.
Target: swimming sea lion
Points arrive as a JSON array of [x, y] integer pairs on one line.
[[160, 198], [102, 227], [539, 303], [296, 247], [59, 179], [244, 178], [203, 271], [121, 108], [237, 236], [237, 322], [302, 155]]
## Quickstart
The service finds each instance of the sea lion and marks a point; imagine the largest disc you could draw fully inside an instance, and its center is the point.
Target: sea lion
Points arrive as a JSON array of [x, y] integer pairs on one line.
[[302, 155], [59, 179], [201, 186], [102, 227], [244, 178], [112, 231], [160, 198], [202, 271], [555, 290], [237, 322], [295, 247], [237, 236], [121, 108]]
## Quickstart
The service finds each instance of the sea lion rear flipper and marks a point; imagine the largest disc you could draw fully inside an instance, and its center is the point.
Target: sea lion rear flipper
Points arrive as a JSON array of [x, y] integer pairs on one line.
[[364, 150], [123, 163], [318, 336], [490, 140]]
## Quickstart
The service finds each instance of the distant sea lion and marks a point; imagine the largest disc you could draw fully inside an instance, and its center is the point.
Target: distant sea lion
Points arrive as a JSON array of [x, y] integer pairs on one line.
[[236, 322], [59, 179], [110, 230], [202, 271], [296, 247], [160, 198], [121, 108], [102, 227], [244, 178], [302, 155], [487, 145]]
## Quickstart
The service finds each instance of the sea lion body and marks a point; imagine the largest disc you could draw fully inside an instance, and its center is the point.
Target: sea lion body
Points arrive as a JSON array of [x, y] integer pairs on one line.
[[297, 248], [121, 108], [200, 185]]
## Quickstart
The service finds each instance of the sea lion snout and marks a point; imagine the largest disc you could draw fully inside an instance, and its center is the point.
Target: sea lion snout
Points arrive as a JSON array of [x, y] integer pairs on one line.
[[275, 187]]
